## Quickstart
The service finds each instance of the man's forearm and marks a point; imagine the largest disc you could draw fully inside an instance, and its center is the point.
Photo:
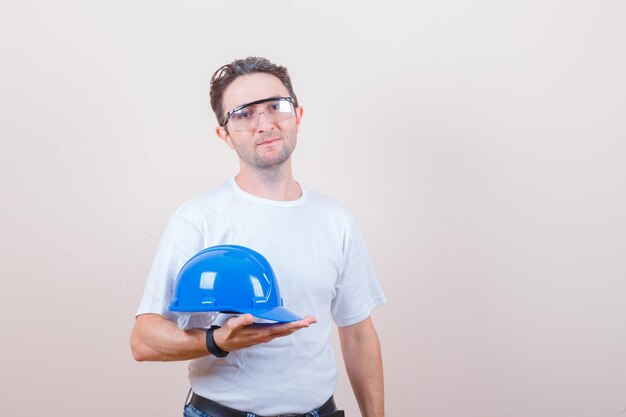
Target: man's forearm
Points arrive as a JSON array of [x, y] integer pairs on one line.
[[154, 338], [363, 360]]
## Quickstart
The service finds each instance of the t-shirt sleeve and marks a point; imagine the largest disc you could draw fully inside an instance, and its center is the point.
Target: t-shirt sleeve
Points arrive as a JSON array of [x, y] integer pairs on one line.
[[180, 241], [358, 289]]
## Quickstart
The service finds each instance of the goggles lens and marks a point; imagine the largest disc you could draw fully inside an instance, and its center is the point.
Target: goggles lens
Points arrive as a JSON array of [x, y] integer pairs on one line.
[[246, 117]]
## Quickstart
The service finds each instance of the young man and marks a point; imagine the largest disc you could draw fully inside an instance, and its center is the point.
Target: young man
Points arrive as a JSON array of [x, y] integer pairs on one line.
[[314, 247]]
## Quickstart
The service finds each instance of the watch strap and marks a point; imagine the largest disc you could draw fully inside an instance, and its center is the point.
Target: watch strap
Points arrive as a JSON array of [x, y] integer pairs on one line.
[[211, 345]]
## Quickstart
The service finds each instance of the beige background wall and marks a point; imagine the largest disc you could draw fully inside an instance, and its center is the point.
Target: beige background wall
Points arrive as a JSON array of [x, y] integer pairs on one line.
[[480, 145]]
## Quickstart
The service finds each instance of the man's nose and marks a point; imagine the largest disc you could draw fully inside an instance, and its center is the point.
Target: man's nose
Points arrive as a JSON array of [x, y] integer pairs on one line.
[[264, 122]]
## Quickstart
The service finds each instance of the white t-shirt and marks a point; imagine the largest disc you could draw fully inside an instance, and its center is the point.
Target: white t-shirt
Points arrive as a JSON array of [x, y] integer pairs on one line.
[[322, 268]]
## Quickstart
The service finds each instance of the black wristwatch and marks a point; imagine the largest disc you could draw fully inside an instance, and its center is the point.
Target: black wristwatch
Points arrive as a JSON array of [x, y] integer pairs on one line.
[[210, 343]]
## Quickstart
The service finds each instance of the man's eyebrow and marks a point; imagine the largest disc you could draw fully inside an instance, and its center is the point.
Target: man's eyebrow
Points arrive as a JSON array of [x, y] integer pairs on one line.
[[236, 109]]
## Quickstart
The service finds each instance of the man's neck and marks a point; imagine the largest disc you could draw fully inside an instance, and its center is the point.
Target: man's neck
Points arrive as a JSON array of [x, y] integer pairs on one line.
[[273, 184]]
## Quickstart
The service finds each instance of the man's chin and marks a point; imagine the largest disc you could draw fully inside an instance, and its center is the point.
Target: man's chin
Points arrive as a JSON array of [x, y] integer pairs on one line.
[[272, 159], [270, 164]]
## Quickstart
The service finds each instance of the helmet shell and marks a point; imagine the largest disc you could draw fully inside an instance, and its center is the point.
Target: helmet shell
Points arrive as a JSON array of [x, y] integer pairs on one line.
[[230, 278]]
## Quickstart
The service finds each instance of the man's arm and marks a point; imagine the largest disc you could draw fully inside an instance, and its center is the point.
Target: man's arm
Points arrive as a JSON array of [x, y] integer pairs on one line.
[[361, 354], [154, 338]]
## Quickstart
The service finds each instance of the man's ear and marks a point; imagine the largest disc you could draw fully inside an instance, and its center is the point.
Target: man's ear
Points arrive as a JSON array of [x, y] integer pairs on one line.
[[222, 133], [299, 112]]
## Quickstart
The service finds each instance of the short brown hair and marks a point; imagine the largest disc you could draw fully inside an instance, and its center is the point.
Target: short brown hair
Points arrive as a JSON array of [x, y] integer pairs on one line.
[[225, 75]]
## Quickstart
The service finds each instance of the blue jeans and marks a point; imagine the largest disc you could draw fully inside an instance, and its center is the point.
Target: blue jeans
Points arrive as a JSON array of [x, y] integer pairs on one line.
[[191, 411]]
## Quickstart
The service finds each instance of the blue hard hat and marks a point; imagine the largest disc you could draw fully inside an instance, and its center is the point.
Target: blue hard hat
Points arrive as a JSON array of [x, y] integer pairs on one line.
[[230, 279]]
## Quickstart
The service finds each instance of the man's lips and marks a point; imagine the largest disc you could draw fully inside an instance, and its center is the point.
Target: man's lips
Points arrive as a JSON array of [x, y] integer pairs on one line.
[[267, 141]]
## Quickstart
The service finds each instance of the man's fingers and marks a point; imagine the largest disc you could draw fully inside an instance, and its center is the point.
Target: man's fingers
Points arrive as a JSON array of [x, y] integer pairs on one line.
[[240, 331], [309, 319], [247, 320], [283, 329]]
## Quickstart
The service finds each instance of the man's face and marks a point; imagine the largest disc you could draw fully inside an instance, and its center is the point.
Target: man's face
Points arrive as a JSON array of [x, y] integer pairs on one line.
[[267, 144]]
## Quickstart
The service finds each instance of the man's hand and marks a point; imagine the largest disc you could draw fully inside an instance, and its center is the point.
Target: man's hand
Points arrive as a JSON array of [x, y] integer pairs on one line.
[[241, 331]]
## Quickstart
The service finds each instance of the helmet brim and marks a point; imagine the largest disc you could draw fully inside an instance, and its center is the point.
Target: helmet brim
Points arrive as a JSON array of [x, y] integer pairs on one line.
[[279, 314]]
